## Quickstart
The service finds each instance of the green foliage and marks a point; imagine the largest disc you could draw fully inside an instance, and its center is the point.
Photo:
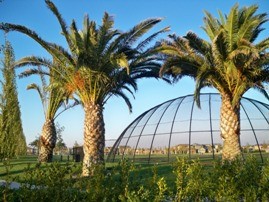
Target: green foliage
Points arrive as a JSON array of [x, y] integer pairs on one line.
[[12, 139], [192, 182], [232, 61], [240, 180], [60, 145], [99, 61], [35, 143], [52, 96]]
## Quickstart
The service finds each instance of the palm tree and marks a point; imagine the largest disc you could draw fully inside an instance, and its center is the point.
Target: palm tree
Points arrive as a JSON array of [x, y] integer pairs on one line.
[[231, 62], [101, 62], [52, 99]]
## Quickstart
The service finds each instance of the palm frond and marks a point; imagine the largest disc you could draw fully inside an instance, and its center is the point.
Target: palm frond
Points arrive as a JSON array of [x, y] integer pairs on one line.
[[125, 87], [145, 69], [219, 48], [222, 17], [55, 50], [68, 106], [231, 27], [120, 94], [61, 54], [199, 45], [42, 77], [85, 31], [121, 61], [258, 29], [137, 31], [238, 92], [149, 39], [33, 61], [263, 45], [169, 50], [61, 21], [33, 71], [211, 25], [177, 68], [202, 80], [126, 81], [42, 94], [77, 39], [263, 76], [55, 101], [106, 33], [12, 27], [260, 88]]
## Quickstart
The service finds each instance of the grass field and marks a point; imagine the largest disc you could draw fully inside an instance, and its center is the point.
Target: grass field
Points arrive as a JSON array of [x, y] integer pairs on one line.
[[159, 158], [17, 166]]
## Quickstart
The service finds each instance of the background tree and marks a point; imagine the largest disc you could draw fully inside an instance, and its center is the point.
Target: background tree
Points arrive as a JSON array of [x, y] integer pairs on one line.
[[100, 62], [12, 139], [52, 98], [60, 145], [231, 62], [76, 144], [35, 142]]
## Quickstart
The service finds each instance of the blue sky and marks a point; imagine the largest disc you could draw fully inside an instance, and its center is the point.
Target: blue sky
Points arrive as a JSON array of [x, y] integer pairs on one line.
[[181, 16]]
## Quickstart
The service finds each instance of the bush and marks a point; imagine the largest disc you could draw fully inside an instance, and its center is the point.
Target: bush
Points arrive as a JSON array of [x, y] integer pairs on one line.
[[240, 180]]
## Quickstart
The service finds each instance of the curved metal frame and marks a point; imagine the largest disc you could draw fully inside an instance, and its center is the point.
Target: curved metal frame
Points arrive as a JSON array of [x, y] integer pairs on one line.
[[139, 121], [157, 128]]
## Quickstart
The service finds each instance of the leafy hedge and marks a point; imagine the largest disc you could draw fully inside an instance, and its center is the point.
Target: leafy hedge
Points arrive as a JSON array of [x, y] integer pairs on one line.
[[240, 180]]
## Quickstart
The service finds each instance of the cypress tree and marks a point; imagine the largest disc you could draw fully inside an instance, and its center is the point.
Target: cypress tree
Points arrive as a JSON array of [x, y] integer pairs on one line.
[[12, 139]]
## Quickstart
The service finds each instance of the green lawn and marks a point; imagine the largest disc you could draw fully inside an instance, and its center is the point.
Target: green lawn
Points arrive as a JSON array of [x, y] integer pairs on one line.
[[17, 166], [161, 158]]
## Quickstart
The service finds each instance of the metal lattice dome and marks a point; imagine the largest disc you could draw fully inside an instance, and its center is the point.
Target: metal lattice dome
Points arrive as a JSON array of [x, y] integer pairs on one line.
[[178, 127]]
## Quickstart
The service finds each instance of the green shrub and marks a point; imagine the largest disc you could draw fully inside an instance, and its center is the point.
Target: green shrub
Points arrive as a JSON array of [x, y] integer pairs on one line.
[[240, 180], [237, 180], [264, 182], [192, 181]]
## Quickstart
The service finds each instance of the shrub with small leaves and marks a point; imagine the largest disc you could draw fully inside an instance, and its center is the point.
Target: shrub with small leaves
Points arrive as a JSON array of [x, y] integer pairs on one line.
[[239, 180]]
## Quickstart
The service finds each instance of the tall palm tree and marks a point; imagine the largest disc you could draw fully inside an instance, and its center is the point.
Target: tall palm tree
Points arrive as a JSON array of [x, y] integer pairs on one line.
[[230, 61], [100, 62], [52, 99]]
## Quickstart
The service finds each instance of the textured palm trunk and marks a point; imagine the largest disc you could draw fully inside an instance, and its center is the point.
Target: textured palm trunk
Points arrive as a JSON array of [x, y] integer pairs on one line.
[[230, 128], [94, 138], [47, 141]]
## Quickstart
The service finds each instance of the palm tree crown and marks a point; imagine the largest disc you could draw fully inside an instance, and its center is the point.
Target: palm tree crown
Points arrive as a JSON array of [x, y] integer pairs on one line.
[[52, 98], [231, 62], [100, 61]]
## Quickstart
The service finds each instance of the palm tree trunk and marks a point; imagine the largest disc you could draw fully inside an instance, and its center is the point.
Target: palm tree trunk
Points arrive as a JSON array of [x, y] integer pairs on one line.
[[94, 138], [230, 128], [47, 141]]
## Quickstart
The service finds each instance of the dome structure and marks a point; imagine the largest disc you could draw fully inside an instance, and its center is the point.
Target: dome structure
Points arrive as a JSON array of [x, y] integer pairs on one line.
[[178, 127]]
